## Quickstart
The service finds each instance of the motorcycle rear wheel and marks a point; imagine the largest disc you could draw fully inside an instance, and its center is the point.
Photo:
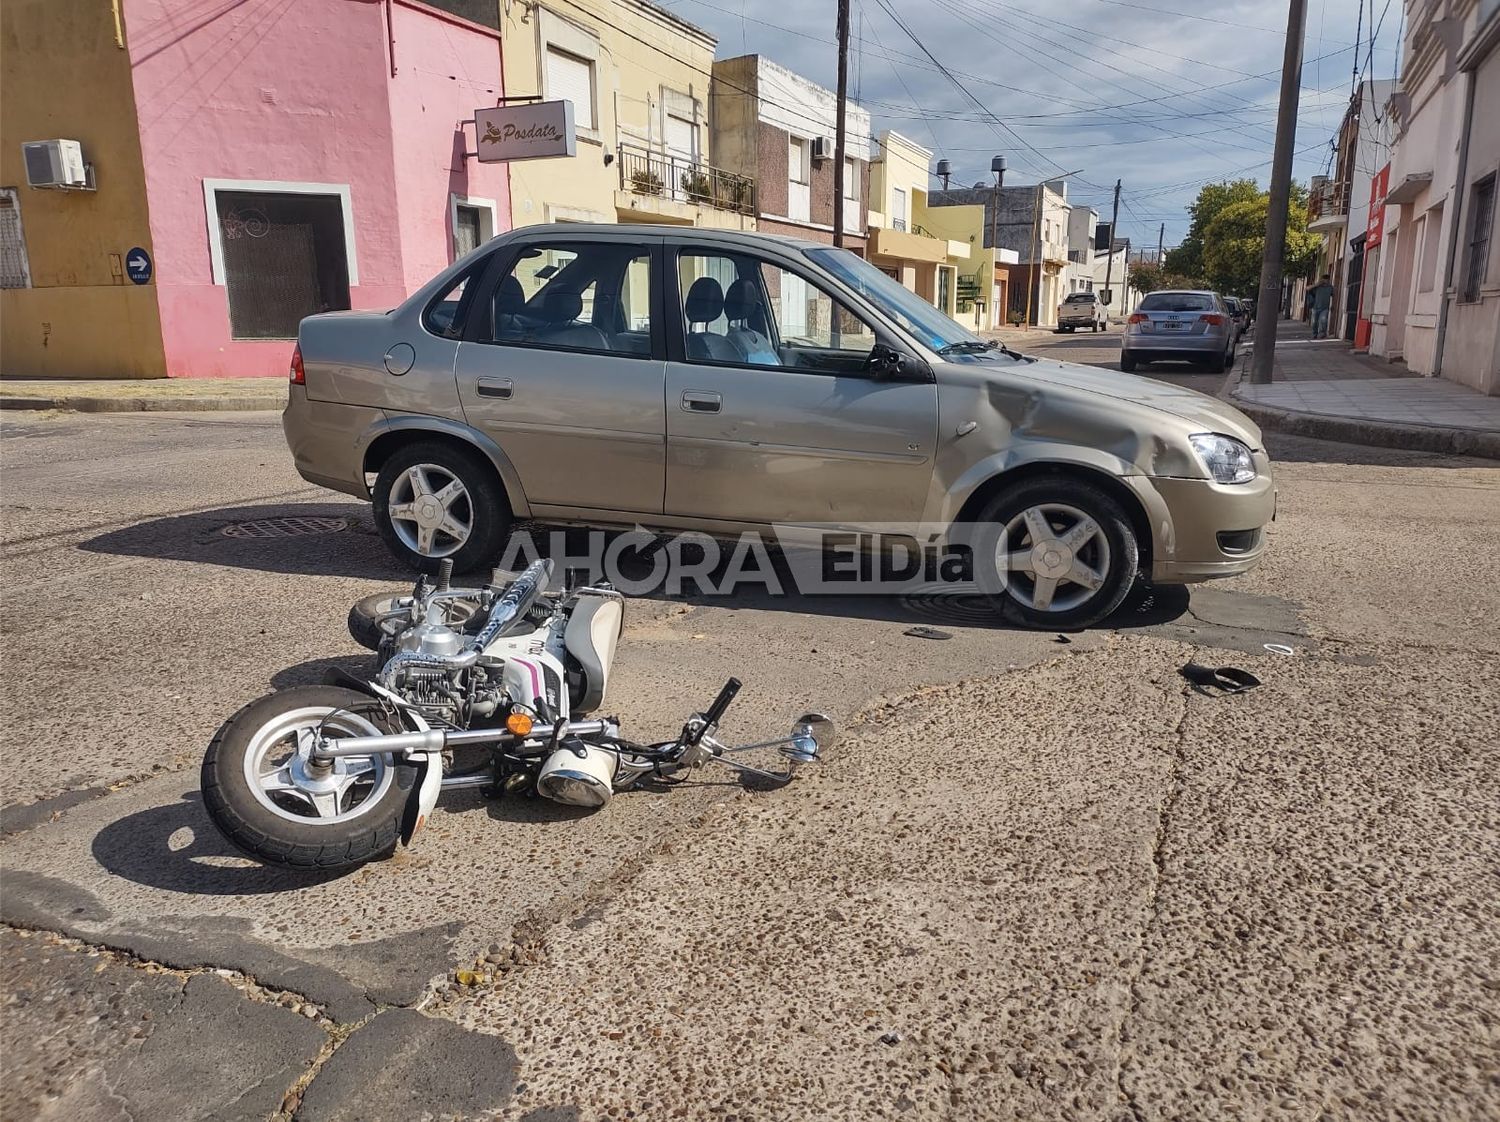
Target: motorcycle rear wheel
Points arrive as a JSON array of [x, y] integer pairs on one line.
[[266, 800], [377, 617]]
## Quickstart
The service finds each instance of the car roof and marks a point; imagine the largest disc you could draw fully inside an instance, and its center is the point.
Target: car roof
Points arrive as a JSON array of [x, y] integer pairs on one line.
[[634, 230], [1182, 292]]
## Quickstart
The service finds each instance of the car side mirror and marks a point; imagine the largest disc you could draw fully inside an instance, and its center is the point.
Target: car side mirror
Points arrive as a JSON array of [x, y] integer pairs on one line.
[[886, 363]]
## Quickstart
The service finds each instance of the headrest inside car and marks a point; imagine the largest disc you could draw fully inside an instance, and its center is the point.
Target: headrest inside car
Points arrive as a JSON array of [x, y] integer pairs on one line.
[[562, 307], [742, 300], [705, 301], [509, 298]]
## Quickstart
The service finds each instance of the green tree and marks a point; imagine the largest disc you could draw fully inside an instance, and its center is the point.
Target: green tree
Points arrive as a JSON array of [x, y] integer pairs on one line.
[[1149, 276], [1187, 258], [1234, 243]]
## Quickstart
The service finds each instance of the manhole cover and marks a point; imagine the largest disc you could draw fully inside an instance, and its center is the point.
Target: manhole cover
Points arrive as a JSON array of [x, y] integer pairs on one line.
[[285, 527]]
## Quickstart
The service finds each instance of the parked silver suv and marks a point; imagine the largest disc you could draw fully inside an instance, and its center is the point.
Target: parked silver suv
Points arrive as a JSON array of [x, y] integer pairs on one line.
[[718, 381]]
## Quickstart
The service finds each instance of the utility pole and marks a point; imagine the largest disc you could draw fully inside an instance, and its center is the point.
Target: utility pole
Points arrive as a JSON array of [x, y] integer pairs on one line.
[[839, 134], [1109, 266], [1161, 236], [1036, 251], [1268, 306]]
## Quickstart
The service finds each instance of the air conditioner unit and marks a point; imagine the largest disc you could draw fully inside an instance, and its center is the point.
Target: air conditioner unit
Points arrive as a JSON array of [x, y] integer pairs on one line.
[[55, 163], [822, 148]]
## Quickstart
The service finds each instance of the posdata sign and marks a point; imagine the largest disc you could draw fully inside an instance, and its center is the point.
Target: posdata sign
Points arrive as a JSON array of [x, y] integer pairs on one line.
[[525, 132]]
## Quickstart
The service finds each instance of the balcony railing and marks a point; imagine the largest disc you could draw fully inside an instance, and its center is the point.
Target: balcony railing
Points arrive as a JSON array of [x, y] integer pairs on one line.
[[667, 176], [1329, 199]]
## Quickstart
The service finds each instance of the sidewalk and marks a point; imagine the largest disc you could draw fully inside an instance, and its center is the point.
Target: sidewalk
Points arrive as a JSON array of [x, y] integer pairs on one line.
[[1320, 388], [135, 395]]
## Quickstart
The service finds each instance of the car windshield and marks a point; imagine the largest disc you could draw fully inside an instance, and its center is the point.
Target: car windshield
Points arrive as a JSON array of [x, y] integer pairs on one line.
[[1177, 302], [908, 309]]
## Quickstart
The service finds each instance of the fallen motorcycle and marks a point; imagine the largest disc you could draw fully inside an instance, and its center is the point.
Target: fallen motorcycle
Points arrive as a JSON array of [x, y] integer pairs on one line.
[[332, 776]]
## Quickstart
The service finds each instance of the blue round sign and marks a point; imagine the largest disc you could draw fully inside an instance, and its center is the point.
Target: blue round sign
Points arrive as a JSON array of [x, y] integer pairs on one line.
[[138, 265]]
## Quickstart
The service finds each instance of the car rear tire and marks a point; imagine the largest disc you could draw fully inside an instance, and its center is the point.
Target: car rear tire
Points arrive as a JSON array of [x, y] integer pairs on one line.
[[1127, 362], [1217, 365], [433, 500], [1055, 553]]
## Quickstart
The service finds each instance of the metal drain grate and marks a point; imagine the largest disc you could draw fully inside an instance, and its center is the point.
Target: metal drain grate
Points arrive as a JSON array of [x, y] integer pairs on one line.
[[285, 527]]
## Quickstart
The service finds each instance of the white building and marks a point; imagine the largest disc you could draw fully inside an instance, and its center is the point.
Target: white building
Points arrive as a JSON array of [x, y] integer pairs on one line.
[[1437, 300]]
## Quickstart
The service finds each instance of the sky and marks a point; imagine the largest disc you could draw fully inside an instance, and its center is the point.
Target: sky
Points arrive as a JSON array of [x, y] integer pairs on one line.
[[1162, 94]]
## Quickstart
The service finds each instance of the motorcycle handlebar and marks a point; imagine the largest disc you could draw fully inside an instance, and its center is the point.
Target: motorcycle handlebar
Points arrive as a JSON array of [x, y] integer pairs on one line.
[[721, 703]]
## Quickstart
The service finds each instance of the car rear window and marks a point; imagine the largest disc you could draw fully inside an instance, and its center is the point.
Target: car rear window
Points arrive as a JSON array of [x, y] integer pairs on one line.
[[1176, 302], [1080, 298]]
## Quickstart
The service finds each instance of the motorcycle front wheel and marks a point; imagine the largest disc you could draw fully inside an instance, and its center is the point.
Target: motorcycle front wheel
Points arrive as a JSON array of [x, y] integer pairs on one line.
[[273, 802]]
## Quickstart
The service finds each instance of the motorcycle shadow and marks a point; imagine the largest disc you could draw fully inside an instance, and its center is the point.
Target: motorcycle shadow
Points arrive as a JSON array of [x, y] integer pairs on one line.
[[176, 848]]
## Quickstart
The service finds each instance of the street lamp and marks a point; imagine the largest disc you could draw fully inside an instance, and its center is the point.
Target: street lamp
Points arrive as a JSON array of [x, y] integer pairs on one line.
[[997, 165], [1036, 238]]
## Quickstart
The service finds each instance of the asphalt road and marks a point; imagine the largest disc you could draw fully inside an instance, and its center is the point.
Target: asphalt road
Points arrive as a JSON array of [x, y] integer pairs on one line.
[[1038, 880]]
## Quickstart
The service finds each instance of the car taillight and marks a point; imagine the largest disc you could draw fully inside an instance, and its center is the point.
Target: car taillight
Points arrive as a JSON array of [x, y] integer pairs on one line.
[[295, 374], [1213, 319], [1138, 317]]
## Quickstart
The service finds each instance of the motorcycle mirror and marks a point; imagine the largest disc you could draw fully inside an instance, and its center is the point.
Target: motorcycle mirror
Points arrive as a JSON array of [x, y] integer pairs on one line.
[[813, 735]]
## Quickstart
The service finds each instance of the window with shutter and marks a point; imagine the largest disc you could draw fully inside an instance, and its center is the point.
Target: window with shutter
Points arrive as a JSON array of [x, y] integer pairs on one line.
[[14, 271], [570, 78]]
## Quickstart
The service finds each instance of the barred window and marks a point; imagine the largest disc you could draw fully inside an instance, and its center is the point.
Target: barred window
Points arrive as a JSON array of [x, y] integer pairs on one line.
[[284, 258], [1481, 225], [14, 269]]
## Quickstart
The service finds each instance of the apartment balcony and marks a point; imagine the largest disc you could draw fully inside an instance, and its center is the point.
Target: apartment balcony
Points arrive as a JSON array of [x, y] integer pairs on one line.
[[907, 243], [1327, 206], [663, 187], [1054, 253]]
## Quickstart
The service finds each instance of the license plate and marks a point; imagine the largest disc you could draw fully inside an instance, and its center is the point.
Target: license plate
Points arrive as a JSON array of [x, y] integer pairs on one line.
[[1172, 325]]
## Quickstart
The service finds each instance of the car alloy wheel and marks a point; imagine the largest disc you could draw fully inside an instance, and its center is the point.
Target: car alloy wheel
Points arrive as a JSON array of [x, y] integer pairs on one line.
[[1055, 557], [431, 510]]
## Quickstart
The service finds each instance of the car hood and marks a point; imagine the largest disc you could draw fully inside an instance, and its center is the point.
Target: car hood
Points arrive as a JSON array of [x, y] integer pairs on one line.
[[1209, 414]]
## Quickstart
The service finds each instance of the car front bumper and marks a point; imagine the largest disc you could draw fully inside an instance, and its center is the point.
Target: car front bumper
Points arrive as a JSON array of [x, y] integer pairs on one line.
[[1210, 529]]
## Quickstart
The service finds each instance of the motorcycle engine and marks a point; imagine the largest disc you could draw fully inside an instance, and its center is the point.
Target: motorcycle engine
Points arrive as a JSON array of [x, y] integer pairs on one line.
[[430, 638]]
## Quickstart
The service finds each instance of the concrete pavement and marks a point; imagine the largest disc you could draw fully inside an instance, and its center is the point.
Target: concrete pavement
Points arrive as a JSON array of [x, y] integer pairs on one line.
[[130, 395], [1322, 388], [1038, 879]]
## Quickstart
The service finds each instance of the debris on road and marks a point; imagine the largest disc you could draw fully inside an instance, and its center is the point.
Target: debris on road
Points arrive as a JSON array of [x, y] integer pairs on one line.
[[1227, 679], [926, 633]]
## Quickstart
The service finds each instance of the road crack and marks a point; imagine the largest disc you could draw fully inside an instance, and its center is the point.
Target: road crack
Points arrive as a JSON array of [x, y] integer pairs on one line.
[[1176, 746]]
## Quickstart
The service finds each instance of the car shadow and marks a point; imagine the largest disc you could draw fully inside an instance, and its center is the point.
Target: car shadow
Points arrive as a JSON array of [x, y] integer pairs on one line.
[[297, 539], [177, 848], [339, 539]]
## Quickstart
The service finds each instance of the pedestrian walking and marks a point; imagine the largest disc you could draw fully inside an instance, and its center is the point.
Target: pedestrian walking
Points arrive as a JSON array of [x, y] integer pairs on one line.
[[1320, 297]]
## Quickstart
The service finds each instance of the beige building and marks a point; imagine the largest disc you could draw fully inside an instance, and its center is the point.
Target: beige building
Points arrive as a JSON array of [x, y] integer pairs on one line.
[[900, 241], [1437, 301], [638, 77]]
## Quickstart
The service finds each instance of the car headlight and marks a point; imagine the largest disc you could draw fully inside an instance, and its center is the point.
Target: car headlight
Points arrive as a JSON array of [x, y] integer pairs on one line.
[[1227, 459]]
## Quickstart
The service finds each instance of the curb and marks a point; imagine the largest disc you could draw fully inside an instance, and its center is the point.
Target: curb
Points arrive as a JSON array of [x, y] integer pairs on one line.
[[1378, 434], [84, 404]]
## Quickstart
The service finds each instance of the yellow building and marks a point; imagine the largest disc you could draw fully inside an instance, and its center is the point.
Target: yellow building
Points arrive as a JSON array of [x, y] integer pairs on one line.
[[902, 243], [67, 307], [638, 77]]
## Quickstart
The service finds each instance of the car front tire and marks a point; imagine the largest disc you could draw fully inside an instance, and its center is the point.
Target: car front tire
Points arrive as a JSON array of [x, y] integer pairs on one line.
[[434, 501], [1055, 553]]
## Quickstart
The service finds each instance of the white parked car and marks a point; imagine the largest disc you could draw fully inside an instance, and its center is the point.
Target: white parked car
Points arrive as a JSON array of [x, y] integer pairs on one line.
[[1082, 309]]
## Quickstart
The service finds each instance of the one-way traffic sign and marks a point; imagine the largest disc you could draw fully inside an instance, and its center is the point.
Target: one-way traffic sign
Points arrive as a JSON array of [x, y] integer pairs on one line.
[[138, 265]]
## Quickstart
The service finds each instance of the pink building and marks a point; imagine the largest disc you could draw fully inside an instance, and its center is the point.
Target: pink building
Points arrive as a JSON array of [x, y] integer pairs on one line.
[[296, 156]]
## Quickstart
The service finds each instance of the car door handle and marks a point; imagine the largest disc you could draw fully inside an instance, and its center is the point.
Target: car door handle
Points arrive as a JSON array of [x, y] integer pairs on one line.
[[496, 387], [696, 401]]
